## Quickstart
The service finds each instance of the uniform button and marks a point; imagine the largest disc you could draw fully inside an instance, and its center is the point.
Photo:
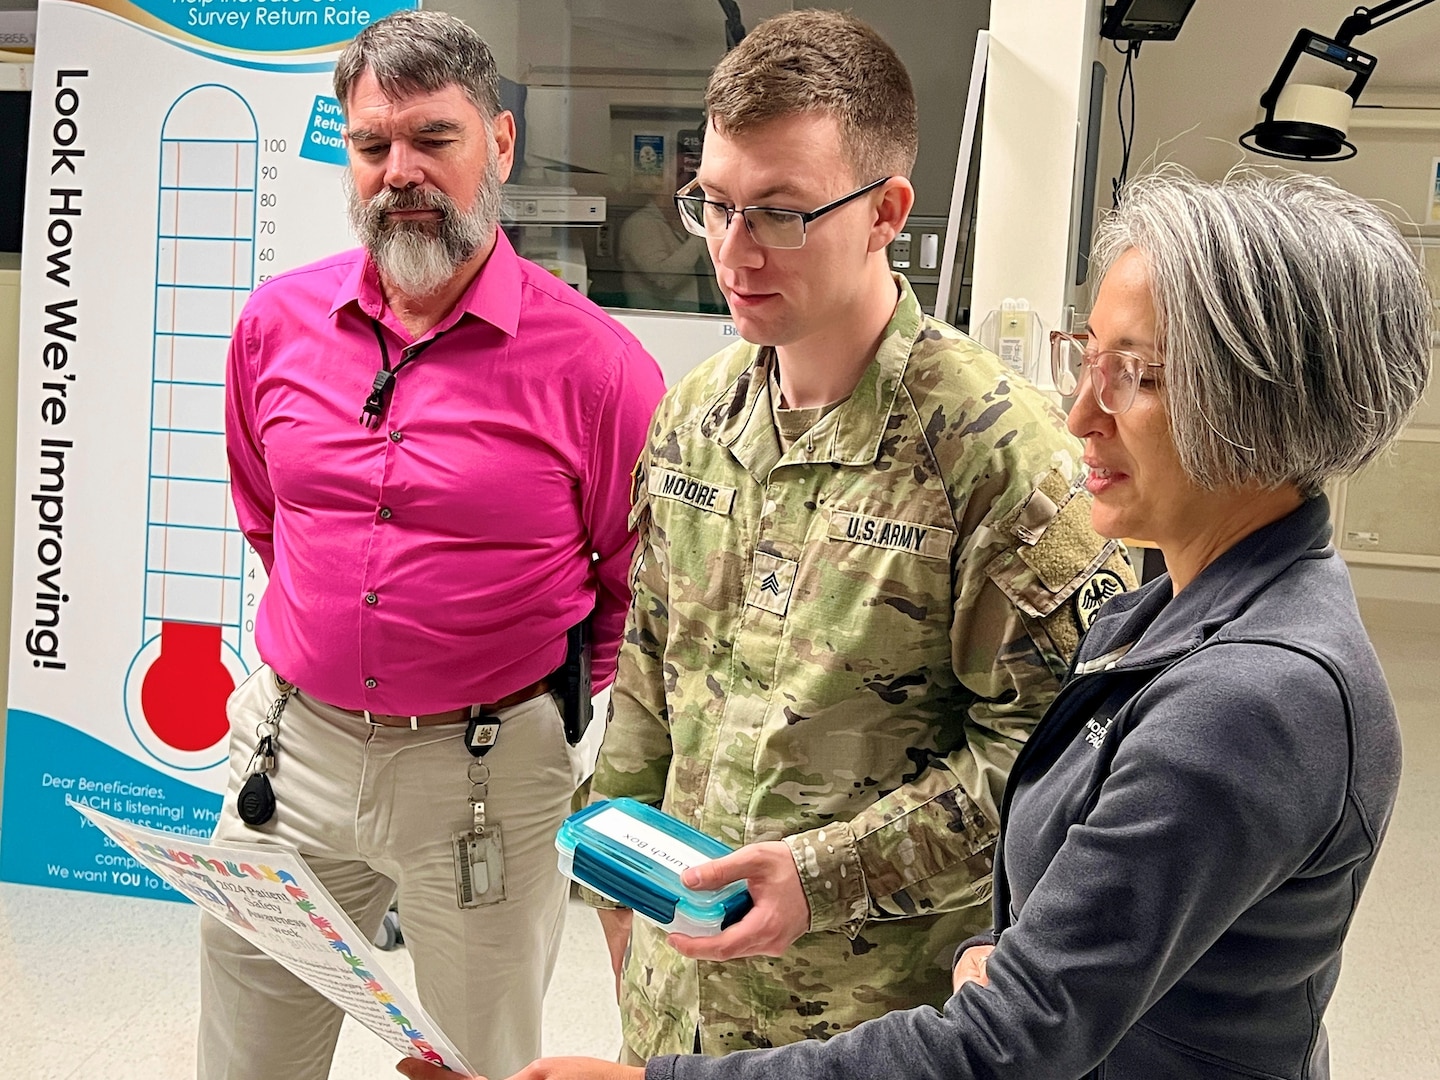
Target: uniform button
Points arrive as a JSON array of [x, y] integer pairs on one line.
[[397, 436], [371, 598], [385, 513], [370, 684]]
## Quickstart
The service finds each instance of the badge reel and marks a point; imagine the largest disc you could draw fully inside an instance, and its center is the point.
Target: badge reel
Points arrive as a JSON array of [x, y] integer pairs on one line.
[[479, 850]]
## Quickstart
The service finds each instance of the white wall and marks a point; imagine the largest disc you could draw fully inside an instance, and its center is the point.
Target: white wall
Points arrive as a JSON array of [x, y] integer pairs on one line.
[[1037, 87], [1197, 94]]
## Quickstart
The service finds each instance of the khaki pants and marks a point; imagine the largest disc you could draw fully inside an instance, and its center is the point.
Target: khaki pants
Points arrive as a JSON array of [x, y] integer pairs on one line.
[[373, 810]]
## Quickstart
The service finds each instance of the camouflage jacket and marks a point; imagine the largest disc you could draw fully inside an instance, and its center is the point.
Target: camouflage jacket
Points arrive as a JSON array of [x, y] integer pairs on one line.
[[843, 646]]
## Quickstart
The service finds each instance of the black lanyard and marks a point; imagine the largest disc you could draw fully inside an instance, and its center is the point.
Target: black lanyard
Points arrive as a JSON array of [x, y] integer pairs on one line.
[[374, 407]]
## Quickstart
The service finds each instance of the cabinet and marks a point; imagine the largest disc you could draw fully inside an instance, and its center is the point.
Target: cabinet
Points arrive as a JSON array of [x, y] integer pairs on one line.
[[1386, 514]]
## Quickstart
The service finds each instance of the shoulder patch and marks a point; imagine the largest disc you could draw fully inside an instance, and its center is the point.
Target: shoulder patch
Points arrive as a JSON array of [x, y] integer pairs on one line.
[[1090, 597], [639, 495], [637, 481]]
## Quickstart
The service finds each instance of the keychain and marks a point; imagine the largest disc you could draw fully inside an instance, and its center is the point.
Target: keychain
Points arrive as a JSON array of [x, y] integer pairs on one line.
[[479, 850], [256, 801]]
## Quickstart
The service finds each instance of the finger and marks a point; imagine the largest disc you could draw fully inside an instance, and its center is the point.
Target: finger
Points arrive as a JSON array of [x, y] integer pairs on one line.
[[416, 1069], [723, 946], [719, 872]]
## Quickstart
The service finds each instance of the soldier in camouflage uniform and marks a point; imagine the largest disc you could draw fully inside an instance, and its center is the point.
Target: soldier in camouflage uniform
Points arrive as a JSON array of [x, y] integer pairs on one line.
[[849, 614]]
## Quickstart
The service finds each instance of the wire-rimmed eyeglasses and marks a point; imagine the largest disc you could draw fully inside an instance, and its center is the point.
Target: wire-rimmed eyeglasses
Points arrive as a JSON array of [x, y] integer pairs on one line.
[[769, 226], [1115, 374]]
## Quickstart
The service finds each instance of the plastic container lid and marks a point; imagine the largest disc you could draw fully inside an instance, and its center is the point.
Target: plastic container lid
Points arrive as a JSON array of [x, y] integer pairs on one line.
[[634, 855]]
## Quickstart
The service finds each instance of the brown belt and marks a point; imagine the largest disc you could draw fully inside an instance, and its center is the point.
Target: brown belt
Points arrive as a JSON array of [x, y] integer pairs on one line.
[[455, 716]]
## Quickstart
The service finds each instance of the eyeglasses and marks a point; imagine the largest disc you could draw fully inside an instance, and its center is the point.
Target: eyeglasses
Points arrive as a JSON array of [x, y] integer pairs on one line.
[[769, 226], [1115, 373]]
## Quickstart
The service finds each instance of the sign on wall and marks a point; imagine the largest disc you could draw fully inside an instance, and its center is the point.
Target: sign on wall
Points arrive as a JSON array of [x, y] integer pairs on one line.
[[181, 151]]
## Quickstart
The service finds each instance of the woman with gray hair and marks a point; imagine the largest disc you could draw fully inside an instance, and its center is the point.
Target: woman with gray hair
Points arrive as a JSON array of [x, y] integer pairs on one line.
[[1186, 834]]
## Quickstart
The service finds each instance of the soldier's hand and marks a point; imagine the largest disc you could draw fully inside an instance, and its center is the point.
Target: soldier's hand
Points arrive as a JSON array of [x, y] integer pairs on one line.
[[781, 912], [971, 967], [616, 922], [416, 1069]]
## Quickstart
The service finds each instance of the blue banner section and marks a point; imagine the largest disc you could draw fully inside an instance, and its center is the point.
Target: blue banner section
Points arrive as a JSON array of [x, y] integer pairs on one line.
[[323, 138], [272, 26], [46, 842]]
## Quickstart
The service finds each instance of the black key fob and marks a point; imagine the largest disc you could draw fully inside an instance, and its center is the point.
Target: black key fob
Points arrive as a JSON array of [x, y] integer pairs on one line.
[[256, 801]]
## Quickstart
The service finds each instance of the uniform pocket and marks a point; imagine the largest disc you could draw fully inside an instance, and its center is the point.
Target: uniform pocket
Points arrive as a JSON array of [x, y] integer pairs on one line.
[[1059, 570]]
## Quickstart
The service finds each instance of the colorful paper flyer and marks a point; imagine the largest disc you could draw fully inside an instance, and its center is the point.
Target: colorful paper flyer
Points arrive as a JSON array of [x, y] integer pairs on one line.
[[267, 895]]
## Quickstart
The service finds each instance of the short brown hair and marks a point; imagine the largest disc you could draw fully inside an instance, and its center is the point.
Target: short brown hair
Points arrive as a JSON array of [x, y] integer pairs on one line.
[[824, 62]]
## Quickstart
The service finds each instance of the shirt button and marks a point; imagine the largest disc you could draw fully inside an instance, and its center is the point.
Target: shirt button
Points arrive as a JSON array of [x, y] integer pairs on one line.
[[370, 684], [385, 513], [397, 436], [371, 598]]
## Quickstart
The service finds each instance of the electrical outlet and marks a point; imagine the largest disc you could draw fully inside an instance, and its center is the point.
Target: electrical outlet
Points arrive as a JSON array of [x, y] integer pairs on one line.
[[929, 250], [900, 251]]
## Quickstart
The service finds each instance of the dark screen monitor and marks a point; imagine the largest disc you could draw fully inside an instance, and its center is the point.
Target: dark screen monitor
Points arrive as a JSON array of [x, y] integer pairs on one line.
[[14, 137], [1144, 20]]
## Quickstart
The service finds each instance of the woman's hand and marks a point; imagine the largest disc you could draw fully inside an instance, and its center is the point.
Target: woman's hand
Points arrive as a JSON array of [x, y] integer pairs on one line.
[[971, 966]]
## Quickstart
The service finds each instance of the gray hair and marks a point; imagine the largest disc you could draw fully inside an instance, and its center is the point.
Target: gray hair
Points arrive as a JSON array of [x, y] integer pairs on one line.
[[421, 51], [1293, 319]]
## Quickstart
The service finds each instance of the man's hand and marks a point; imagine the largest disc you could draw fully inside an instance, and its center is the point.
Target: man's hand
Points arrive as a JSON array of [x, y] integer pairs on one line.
[[780, 915], [578, 1068], [566, 1068], [416, 1069], [971, 967], [616, 922]]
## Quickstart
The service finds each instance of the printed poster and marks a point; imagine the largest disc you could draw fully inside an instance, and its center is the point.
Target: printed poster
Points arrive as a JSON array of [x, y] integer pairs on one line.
[[1434, 214], [181, 151], [649, 155], [267, 895]]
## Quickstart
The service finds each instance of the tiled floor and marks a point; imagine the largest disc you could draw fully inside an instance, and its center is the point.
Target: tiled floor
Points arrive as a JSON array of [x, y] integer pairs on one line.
[[105, 987]]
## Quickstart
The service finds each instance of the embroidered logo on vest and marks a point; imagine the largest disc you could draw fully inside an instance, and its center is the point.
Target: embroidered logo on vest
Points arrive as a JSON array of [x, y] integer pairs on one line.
[[1096, 731]]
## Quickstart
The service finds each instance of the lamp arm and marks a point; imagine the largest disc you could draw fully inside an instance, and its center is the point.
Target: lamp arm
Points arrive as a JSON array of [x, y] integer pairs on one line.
[[1272, 92], [1348, 58], [1364, 19]]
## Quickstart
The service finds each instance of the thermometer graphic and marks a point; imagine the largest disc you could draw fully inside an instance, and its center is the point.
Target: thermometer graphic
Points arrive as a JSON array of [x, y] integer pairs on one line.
[[189, 658]]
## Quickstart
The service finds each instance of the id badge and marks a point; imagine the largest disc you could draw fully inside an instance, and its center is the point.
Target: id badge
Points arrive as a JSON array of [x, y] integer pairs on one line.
[[479, 867]]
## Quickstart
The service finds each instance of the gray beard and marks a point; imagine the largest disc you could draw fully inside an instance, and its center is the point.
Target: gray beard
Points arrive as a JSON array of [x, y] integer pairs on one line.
[[420, 257]]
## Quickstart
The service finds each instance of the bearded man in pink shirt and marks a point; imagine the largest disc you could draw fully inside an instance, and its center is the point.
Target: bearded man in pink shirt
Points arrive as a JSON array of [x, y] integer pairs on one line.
[[431, 442]]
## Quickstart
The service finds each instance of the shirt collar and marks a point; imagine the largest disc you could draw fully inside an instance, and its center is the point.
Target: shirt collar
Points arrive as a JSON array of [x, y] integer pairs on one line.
[[1163, 626], [493, 297], [848, 435]]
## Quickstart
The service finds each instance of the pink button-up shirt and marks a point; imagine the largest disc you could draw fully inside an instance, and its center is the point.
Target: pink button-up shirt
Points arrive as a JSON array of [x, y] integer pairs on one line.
[[438, 560]]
